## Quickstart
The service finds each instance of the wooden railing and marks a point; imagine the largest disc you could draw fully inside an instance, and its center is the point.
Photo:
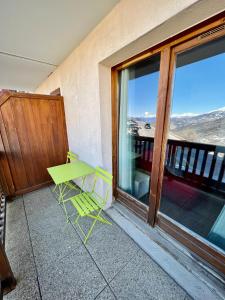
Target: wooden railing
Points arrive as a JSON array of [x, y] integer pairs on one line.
[[196, 163]]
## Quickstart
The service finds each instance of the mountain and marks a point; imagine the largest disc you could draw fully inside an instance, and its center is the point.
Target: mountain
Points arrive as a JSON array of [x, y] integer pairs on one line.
[[204, 128], [208, 128], [150, 120]]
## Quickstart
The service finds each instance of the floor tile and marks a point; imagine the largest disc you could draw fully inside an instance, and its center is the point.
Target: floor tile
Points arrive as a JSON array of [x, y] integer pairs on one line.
[[111, 248], [74, 277], [65, 269], [14, 210], [46, 218], [106, 294], [52, 238], [26, 289], [22, 261], [16, 235], [142, 279], [53, 245], [19, 252], [39, 202]]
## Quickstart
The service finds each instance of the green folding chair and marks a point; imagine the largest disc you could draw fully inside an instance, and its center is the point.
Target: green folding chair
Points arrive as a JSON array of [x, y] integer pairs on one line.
[[71, 157], [67, 186], [90, 204]]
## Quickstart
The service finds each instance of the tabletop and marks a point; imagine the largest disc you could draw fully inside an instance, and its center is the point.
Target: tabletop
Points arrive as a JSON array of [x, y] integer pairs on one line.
[[69, 171]]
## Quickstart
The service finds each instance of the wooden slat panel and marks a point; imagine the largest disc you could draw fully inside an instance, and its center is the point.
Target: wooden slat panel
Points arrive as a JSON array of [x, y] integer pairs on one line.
[[37, 138], [34, 137], [24, 134], [49, 148], [5, 173], [13, 152]]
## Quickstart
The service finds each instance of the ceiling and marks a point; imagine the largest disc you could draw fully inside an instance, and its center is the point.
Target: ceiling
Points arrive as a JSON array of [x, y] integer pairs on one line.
[[36, 36]]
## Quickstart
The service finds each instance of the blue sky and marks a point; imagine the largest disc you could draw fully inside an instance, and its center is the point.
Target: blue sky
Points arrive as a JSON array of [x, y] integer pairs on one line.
[[142, 95], [198, 88]]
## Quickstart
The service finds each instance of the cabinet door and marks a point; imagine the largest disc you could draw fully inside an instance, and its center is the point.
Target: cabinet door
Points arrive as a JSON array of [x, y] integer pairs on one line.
[[6, 182], [41, 133], [12, 147]]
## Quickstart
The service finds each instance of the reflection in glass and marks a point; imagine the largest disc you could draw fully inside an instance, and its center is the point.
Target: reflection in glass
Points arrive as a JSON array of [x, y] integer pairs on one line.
[[138, 97], [193, 191]]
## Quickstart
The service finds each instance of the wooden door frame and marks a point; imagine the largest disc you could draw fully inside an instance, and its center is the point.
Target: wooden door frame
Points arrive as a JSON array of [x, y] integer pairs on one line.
[[167, 49]]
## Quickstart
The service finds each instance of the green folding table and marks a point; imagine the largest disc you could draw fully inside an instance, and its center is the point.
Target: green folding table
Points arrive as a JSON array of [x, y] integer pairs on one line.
[[70, 171]]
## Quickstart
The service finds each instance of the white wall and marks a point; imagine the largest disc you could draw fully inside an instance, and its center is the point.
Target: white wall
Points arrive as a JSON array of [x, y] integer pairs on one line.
[[84, 77]]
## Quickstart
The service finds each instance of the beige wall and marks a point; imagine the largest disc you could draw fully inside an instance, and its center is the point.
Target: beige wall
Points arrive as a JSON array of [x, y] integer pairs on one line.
[[84, 77]]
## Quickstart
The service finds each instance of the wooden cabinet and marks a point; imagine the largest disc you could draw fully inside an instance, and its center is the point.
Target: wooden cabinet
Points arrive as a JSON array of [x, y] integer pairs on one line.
[[32, 138]]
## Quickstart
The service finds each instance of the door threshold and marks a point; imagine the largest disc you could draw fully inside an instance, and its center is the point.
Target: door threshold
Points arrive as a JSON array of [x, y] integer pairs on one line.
[[199, 281]]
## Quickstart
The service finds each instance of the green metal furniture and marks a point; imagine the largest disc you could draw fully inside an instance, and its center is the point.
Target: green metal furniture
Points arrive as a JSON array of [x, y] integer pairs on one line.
[[90, 204], [68, 186], [66, 172], [71, 157]]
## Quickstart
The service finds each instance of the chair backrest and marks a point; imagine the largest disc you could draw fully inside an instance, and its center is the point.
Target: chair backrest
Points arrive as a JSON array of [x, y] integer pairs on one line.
[[106, 177], [71, 157]]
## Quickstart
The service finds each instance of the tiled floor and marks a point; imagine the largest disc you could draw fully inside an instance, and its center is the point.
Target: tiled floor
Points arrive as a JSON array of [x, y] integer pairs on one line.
[[50, 261]]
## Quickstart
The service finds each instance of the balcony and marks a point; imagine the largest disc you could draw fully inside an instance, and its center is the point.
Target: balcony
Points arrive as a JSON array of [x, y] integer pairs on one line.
[[50, 261], [101, 80]]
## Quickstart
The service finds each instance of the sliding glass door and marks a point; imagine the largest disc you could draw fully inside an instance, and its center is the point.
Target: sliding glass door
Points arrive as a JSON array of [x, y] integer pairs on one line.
[[193, 192], [169, 139], [137, 117]]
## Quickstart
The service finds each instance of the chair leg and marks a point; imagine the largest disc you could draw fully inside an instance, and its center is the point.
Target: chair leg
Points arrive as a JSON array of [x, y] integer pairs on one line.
[[76, 220], [103, 220], [60, 193], [96, 218], [90, 231], [66, 213], [100, 218]]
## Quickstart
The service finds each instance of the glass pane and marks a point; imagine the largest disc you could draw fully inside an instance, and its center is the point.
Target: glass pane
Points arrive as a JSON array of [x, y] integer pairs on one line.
[[137, 114], [193, 191]]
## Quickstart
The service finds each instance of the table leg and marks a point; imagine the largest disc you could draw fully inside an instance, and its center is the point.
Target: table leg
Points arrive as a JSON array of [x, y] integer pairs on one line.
[[62, 200], [82, 184]]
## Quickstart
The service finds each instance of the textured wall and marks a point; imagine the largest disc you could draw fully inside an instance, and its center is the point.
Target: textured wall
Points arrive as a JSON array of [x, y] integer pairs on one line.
[[84, 77]]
